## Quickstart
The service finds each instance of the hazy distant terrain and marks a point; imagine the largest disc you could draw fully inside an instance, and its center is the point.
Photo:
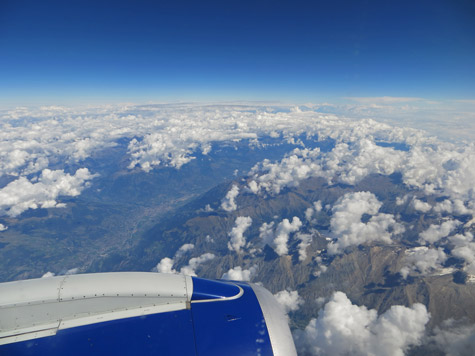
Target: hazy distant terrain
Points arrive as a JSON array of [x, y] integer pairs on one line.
[[335, 213]]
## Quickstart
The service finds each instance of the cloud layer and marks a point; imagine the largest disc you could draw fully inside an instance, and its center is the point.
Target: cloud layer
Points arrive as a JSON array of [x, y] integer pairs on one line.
[[33, 140]]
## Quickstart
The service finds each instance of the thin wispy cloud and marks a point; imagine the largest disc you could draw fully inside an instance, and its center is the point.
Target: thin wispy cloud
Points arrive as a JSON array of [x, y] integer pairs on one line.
[[385, 100]]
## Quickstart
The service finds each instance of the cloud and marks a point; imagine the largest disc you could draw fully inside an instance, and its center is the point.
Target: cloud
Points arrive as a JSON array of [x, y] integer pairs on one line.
[[425, 163], [228, 204], [461, 209], [273, 177], [348, 163], [238, 240], [23, 194], [183, 250], [33, 140], [422, 260], [278, 237], [240, 274], [348, 229], [464, 248], [71, 271], [421, 206], [282, 232], [441, 169], [166, 265], [402, 200], [454, 338], [195, 262], [313, 210], [356, 160], [457, 206], [343, 328], [308, 214], [253, 186], [384, 99], [62, 273], [436, 232], [305, 241], [159, 148], [266, 233], [445, 206], [48, 275], [289, 300], [450, 119]]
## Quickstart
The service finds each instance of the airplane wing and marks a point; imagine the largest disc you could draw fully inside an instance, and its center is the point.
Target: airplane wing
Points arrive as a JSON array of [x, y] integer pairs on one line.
[[137, 313]]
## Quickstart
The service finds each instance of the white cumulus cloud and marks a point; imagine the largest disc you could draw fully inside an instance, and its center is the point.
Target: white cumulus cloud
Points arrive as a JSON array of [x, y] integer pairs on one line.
[[238, 240], [289, 300], [166, 265], [228, 203], [457, 206], [343, 328], [282, 232], [195, 262], [273, 177], [436, 232], [305, 241], [23, 194], [266, 233], [464, 248], [313, 210], [421, 206], [240, 274], [422, 260], [183, 250], [349, 230], [278, 236]]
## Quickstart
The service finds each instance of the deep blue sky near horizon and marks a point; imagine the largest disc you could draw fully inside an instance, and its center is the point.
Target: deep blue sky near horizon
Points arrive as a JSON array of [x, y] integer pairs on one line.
[[155, 50]]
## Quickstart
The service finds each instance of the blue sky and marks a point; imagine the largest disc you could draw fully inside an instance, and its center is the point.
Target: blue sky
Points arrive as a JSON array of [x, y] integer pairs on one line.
[[57, 51]]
